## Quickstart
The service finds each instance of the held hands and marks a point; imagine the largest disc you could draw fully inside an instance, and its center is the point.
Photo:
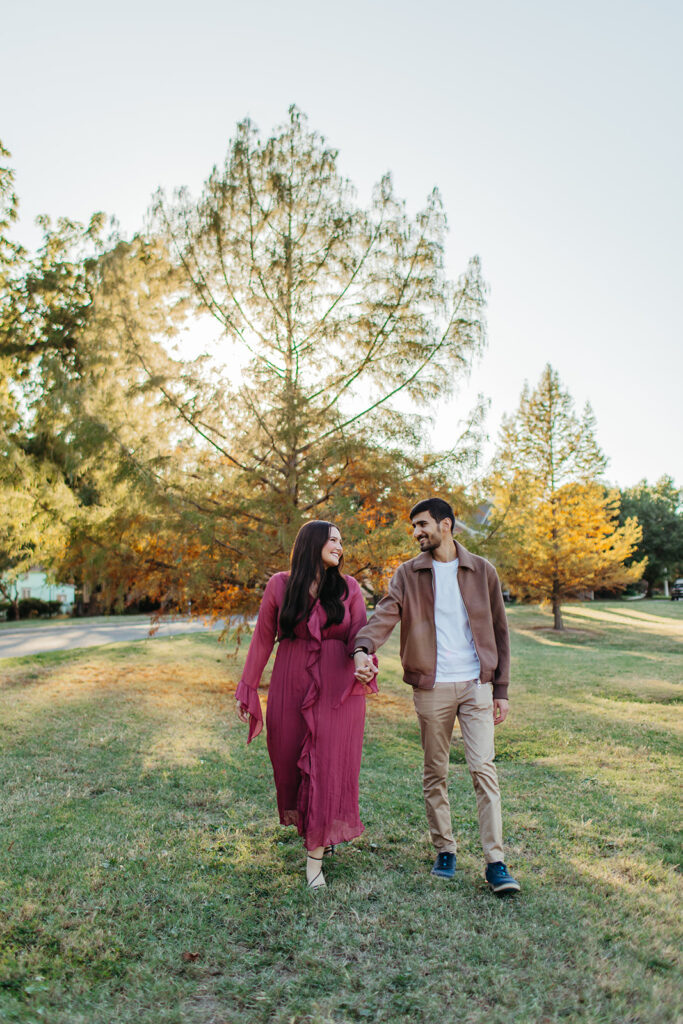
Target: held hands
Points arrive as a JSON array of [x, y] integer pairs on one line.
[[365, 667], [365, 670]]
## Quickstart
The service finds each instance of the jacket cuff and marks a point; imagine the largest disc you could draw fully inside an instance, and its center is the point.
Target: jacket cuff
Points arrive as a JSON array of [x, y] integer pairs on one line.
[[500, 691], [367, 645], [248, 695]]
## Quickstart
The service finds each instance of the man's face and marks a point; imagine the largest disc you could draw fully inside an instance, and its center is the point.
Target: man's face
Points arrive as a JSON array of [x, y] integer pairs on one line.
[[427, 532]]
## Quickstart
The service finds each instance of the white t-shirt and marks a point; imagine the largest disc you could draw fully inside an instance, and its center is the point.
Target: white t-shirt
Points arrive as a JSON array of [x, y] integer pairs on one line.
[[456, 655]]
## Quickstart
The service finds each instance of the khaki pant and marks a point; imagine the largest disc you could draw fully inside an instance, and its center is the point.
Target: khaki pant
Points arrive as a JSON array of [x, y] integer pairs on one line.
[[436, 710]]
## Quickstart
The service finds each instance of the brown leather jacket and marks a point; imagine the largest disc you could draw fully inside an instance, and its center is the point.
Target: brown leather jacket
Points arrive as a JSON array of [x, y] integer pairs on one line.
[[410, 600]]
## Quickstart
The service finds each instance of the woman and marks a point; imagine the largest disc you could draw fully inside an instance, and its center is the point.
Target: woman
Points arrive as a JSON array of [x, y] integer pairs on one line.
[[316, 701]]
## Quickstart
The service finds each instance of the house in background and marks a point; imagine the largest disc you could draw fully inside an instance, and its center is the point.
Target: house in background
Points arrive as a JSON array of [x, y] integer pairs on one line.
[[34, 583], [482, 516]]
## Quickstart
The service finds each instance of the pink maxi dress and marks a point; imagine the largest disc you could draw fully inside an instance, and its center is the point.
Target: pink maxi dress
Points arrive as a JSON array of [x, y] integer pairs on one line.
[[315, 714]]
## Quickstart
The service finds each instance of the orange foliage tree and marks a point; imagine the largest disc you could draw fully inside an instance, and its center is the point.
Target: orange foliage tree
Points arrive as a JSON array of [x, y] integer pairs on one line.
[[554, 527]]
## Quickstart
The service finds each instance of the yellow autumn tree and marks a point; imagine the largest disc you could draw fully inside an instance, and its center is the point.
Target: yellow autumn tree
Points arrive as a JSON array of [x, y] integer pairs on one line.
[[555, 527]]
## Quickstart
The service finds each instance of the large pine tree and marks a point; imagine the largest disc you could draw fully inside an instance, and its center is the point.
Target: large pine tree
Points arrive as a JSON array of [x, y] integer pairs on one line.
[[345, 327]]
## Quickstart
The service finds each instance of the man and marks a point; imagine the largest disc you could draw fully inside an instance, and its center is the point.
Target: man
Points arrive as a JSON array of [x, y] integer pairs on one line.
[[455, 653]]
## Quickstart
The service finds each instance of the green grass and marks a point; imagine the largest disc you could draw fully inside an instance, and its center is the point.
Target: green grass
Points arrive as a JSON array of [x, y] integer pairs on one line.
[[143, 876]]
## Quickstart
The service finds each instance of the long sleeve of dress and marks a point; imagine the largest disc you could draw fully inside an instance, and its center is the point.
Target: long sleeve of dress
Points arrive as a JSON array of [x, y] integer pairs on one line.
[[260, 649]]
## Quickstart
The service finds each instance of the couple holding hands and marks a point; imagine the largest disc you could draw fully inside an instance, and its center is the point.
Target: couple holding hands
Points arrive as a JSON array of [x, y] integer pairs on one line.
[[455, 654]]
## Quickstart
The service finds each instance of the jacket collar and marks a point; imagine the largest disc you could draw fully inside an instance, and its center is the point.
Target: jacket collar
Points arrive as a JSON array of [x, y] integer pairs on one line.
[[465, 558], [424, 559]]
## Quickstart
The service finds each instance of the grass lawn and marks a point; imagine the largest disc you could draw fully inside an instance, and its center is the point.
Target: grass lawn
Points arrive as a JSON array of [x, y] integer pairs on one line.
[[144, 878]]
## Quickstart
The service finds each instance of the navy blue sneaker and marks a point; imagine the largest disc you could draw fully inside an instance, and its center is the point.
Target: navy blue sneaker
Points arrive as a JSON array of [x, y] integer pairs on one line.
[[500, 879], [444, 865]]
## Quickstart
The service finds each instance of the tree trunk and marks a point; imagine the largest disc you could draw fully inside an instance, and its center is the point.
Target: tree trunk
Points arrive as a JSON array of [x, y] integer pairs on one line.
[[557, 611], [557, 608]]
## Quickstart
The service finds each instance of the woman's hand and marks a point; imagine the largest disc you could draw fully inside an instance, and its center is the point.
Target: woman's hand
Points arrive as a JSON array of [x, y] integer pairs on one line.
[[243, 712], [366, 669]]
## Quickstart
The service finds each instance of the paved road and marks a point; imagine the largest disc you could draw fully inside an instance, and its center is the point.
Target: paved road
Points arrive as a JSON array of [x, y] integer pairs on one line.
[[25, 640]]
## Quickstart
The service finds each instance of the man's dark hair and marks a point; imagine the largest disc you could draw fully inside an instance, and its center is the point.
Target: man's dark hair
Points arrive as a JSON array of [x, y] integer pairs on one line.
[[437, 508]]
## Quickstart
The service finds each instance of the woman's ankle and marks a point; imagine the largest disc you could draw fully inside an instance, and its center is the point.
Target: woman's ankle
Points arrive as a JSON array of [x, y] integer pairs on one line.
[[314, 863]]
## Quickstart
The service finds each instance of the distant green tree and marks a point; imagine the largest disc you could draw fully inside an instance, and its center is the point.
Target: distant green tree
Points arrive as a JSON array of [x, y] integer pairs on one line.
[[84, 425], [27, 533], [658, 508]]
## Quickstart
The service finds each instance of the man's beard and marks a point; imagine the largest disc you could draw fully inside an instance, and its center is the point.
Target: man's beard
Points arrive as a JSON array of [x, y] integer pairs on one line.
[[428, 545]]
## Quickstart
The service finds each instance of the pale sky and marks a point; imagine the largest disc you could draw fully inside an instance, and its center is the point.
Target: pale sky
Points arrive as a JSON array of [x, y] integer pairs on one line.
[[553, 131]]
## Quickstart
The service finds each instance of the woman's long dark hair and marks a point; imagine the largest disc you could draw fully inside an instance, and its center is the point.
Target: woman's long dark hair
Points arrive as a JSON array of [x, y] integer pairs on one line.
[[306, 567]]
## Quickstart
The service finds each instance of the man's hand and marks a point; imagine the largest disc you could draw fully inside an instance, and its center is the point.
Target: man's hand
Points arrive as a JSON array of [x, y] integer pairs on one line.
[[365, 667], [500, 710], [243, 712]]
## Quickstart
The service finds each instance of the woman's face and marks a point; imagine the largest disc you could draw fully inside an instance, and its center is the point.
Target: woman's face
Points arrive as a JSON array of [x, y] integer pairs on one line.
[[332, 549]]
